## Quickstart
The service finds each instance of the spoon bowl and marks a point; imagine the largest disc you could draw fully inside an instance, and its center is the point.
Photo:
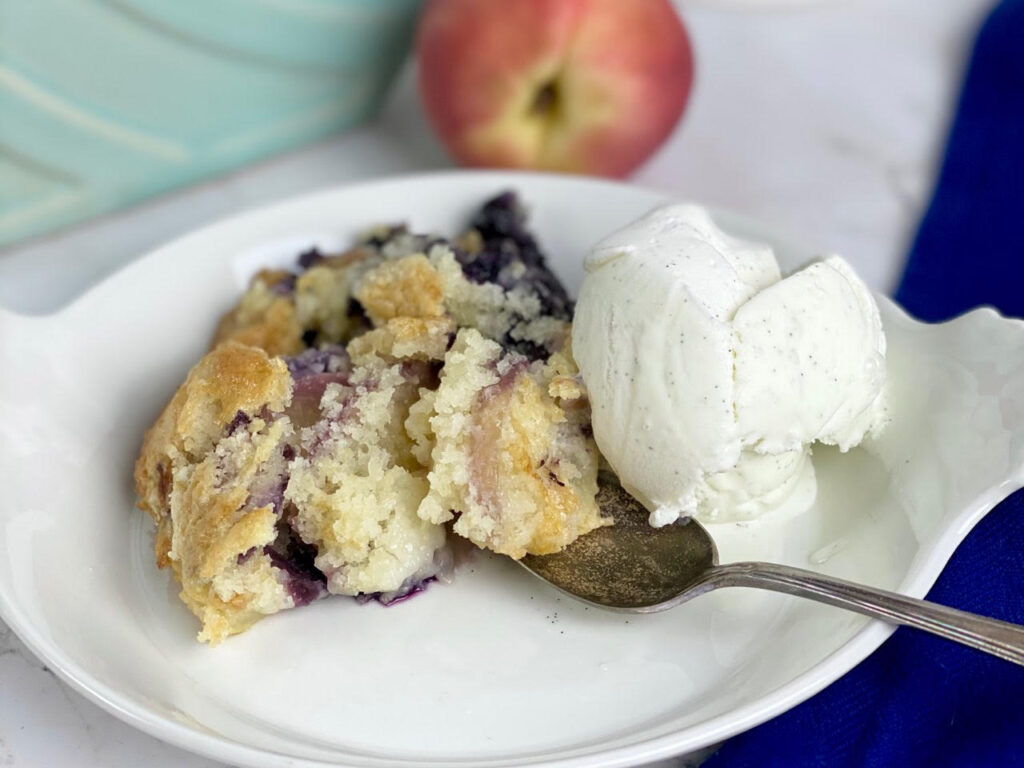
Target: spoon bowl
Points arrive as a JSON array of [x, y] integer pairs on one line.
[[629, 566], [634, 567]]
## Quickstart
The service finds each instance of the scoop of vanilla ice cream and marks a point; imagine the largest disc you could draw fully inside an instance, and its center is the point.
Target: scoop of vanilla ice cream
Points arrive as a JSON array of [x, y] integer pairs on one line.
[[810, 363], [710, 376], [759, 483]]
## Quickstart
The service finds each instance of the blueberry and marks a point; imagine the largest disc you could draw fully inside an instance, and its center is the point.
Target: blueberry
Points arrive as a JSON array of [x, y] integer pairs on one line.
[[240, 421], [511, 257], [304, 592], [285, 286], [388, 234], [332, 359], [408, 589], [305, 582], [310, 258], [527, 349], [503, 216]]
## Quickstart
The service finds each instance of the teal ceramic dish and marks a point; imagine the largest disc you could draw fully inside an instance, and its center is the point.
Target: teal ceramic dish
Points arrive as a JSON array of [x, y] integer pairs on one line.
[[105, 102]]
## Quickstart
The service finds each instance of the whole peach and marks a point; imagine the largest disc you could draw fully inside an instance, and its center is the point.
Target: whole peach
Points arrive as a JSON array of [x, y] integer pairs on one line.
[[585, 86]]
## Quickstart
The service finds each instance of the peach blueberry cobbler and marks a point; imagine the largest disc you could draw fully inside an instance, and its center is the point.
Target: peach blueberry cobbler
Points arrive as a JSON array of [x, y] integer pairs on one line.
[[353, 414]]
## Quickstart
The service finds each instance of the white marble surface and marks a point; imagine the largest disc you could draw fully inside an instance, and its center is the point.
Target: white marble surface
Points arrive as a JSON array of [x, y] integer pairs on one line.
[[825, 119]]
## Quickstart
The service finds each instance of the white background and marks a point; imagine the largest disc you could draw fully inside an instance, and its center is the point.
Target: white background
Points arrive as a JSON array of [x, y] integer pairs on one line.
[[825, 119]]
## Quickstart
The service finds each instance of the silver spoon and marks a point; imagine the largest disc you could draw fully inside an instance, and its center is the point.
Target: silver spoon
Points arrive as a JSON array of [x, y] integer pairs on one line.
[[635, 568]]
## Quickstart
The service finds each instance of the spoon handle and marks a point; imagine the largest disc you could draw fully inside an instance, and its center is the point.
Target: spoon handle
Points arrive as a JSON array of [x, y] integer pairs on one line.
[[1000, 638]]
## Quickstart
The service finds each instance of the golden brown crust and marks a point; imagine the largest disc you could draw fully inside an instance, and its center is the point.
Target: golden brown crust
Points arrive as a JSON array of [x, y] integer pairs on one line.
[[273, 277], [263, 318], [405, 338], [229, 379], [409, 287], [180, 469], [276, 331], [275, 317], [346, 259]]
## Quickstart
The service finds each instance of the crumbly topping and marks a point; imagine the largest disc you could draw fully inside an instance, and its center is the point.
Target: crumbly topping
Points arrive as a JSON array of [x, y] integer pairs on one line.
[[407, 288]]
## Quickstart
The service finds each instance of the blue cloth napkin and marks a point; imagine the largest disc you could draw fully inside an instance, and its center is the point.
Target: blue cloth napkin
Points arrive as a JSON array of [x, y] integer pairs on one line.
[[918, 700]]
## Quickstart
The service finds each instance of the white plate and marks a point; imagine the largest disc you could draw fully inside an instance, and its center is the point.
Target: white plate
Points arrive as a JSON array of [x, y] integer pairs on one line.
[[493, 669]]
